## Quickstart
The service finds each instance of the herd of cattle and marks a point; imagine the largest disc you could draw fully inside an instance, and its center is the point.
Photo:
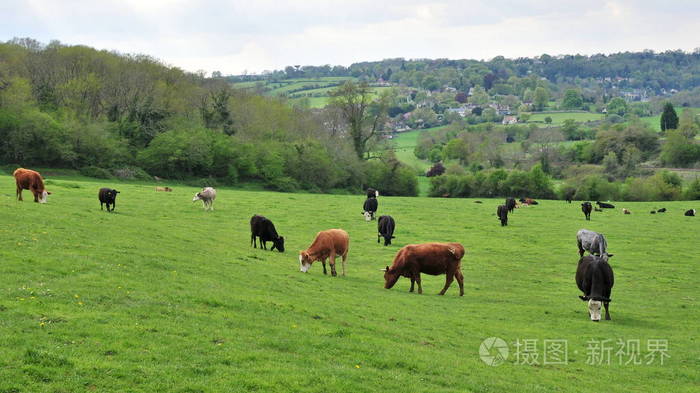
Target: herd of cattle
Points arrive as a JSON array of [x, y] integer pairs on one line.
[[594, 275]]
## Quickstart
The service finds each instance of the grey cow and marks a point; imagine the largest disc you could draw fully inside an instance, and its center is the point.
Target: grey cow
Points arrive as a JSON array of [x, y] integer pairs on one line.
[[592, 242], [207, 196]]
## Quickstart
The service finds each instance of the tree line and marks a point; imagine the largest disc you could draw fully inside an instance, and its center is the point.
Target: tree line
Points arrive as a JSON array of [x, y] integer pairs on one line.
[[112, 114]]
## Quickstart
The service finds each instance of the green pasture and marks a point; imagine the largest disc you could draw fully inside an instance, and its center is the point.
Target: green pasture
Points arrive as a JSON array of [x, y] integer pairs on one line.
[[559, 117], [161, 296]]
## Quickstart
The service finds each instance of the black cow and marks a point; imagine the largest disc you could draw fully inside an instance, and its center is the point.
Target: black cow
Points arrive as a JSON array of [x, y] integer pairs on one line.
[[690, 213], [594, 277], [587, 207], [369, 208], [372, 193], [604, 205], [502, 213], [261, 227], [385, 229], [662, 210], [653, 212], [108, 196], [510, 204]]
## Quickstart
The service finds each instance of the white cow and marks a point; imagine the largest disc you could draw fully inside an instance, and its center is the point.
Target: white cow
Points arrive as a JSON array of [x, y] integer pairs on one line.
[[207, 196]]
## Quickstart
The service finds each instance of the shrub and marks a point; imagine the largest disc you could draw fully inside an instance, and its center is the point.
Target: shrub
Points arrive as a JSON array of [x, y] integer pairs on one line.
[[131, 173], [97, 172]]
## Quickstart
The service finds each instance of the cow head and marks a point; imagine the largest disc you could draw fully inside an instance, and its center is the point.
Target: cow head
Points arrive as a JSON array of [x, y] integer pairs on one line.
[[278, 244], [368, 216], [605, 257], [305, 261], [390, 277], [197, 197], [44, 194], [112, 194], [594, 307]]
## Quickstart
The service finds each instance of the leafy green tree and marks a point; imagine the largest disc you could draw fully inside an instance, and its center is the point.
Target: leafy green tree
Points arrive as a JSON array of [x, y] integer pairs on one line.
[[479, 96], [617, 106], [541, 98], [572, 99], [457, 149], [679, 150], [548, 120], [355, 101], [669, 118]]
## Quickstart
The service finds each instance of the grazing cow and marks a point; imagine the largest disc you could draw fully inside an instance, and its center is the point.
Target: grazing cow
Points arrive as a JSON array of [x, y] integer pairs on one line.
[[28, 179], [626, 211], [592, 242], [478, 202], [689, 213], [428, 258], [385, 227], [595, 278], [586, 207], [263, 228], [598, 209], [502, 213], [369, 208], [108, 196], [326, 245], [662, 210], [653, 212], [510, 204], [604, 205], [207, 196], [372, 193], [164, 189]]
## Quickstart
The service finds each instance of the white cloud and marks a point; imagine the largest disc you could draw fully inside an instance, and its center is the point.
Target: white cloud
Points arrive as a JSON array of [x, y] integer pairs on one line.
[[233, 36]]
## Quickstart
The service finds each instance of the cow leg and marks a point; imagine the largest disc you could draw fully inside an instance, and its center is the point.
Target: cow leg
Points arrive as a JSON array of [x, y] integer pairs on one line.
[[449, 276], [342, 261], [331, 261], [460, 280], [252, 241], [580, 249], [378, 236], [101, 206], [263, 243], [19, 193], [607, 314], [420, 288], [323, 261], [413, 281]]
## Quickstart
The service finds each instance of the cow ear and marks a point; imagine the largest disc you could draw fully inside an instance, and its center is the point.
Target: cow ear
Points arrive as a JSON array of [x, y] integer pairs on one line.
[[584, 298], [48, 192], [609, 255]]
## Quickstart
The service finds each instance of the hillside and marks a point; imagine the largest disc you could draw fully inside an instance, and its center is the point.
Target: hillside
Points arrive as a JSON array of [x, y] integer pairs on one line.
[[162, 296]]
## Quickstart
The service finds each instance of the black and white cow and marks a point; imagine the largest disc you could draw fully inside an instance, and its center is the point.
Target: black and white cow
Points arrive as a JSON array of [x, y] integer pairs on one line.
[[604, 205], [385, 229], [207, 196], [662, 210], [592, 242], [372, 193], [263, 228], [510, 204], [689, 213], [595, 278], [369, 208], [108, 196], [502, 213], [587, 207]]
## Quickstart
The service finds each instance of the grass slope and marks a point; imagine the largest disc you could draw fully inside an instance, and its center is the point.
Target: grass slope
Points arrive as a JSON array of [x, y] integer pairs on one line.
[[160, 296]]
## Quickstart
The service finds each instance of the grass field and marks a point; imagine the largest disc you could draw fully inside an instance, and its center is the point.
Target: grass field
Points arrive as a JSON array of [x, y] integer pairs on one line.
[[160, 296], [559, 117]]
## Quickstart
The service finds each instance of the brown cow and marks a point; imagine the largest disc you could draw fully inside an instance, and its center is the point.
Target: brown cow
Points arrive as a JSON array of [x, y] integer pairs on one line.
[[28, 179], [428, 258], [166, 189], [327, 244]]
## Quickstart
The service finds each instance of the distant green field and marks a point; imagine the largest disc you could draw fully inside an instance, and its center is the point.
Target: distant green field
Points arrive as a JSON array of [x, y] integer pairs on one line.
[[160, 296], [559, 117], [655, 121]]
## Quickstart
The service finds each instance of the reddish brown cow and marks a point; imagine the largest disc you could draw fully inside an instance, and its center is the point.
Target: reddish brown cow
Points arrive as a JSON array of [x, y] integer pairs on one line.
[[28, 179], [428, 258], [327, 244]]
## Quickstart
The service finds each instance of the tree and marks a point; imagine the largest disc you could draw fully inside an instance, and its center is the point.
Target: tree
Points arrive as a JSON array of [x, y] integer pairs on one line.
[[457, 149], [479, 96], [617, 106], [541, 98], [548, 120], [679, 150], [572, 99], [669, 118], [364, 116], [461, 97]]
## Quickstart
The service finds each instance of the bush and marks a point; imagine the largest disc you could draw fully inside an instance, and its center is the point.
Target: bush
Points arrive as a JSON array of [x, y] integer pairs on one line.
[[693, 190], [131, 173], [283, 184], [97, 172]]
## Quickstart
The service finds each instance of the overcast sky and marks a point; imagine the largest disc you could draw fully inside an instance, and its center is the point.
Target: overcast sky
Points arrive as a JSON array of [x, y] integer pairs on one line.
[[256, 35]]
